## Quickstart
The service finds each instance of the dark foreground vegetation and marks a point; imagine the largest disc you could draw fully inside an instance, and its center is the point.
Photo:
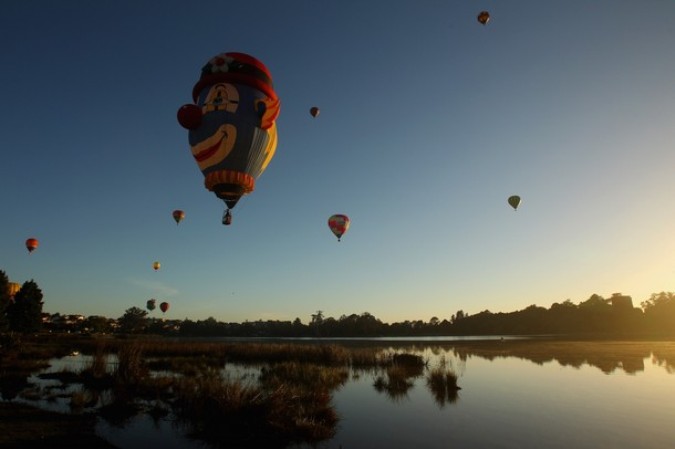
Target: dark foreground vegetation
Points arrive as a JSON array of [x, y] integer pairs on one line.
[[254, 394], [25, 427], [284, 397]]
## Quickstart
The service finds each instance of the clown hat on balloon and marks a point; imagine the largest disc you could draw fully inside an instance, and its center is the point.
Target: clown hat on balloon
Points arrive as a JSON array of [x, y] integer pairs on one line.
[[232, 125]]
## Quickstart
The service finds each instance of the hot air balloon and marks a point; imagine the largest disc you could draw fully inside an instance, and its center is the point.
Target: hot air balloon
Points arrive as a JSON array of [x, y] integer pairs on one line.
[[164, 307], [156, 265], [339, 224], [178, 215], [151, 304], [12, 288], [314, 111], [483, 17], [514, 201], [32, 244], [232, 129]]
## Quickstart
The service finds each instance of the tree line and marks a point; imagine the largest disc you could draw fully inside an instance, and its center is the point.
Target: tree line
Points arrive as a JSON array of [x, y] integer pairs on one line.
[[595, 316], [21, 312], [615, 315]]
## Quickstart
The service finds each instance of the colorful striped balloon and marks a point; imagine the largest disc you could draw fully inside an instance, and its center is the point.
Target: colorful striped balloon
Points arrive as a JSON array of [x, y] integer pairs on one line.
[[339, 224]]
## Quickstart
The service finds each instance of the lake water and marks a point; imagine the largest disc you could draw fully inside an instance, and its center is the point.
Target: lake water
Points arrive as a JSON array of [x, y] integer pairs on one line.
[[514, 394]]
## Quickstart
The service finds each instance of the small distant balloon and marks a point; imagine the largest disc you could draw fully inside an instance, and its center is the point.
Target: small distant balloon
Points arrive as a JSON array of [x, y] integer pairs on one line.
[[156, 265], [151, 304], [338, 224], [514, 201], [314, 111], [164, 307], [31, 244], [178, 215], [483, 17]]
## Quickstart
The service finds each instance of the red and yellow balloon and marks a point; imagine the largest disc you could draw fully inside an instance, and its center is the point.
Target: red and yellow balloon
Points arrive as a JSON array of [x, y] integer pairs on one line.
[[338, 224]]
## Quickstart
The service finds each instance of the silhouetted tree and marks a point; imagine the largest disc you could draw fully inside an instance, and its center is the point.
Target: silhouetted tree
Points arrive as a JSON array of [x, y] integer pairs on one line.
[[659, 312], [133, 321], [317, 318], [317, 321], [95, 323], [25, 312]]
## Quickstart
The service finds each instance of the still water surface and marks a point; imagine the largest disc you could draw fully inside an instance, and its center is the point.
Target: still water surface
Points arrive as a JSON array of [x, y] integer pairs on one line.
[[514, 394], [510, 402]]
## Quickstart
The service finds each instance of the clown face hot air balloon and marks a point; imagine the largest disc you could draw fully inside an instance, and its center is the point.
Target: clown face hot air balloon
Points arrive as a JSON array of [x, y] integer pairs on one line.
[[31, 244], [164, 307], [232, 130], [514, 201], [339, 224], [178, 215]]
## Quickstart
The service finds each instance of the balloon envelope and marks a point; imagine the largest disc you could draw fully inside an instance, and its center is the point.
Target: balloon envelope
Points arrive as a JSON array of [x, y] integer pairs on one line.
[[339, 224], [514, 201], [483, 17], [164, 307], [31, 244], [156, 265], [151, 304], [232, 128], [178, 215], [314, 111]]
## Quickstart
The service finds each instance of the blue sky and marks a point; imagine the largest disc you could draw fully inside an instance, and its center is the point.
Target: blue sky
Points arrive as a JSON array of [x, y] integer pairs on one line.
[[429, 122]]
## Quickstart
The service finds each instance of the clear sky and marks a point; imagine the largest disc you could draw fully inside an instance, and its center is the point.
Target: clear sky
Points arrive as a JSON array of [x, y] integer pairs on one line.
[[429, 122]]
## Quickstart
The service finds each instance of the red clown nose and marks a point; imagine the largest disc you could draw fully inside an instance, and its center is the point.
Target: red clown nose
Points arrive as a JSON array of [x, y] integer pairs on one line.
[[189, 116]]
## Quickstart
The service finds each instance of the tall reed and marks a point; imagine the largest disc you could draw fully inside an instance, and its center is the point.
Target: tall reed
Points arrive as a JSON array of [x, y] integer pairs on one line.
[[130, 366]]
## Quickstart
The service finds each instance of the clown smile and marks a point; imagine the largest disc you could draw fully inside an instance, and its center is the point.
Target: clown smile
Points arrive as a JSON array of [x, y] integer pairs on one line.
[[213, 150]]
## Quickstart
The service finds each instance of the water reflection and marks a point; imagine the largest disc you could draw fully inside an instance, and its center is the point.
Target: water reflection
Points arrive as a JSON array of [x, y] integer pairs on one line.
[[398, 377], [506, 385], [606, 356]]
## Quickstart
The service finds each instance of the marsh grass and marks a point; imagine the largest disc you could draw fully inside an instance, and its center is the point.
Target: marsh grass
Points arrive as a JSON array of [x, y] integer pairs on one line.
[[130, 367], [187, 366], [306, 376], [397, 383], [81, 399], [289, 400], [98, 366], [442, 383], [272, 415], [400, 370]]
